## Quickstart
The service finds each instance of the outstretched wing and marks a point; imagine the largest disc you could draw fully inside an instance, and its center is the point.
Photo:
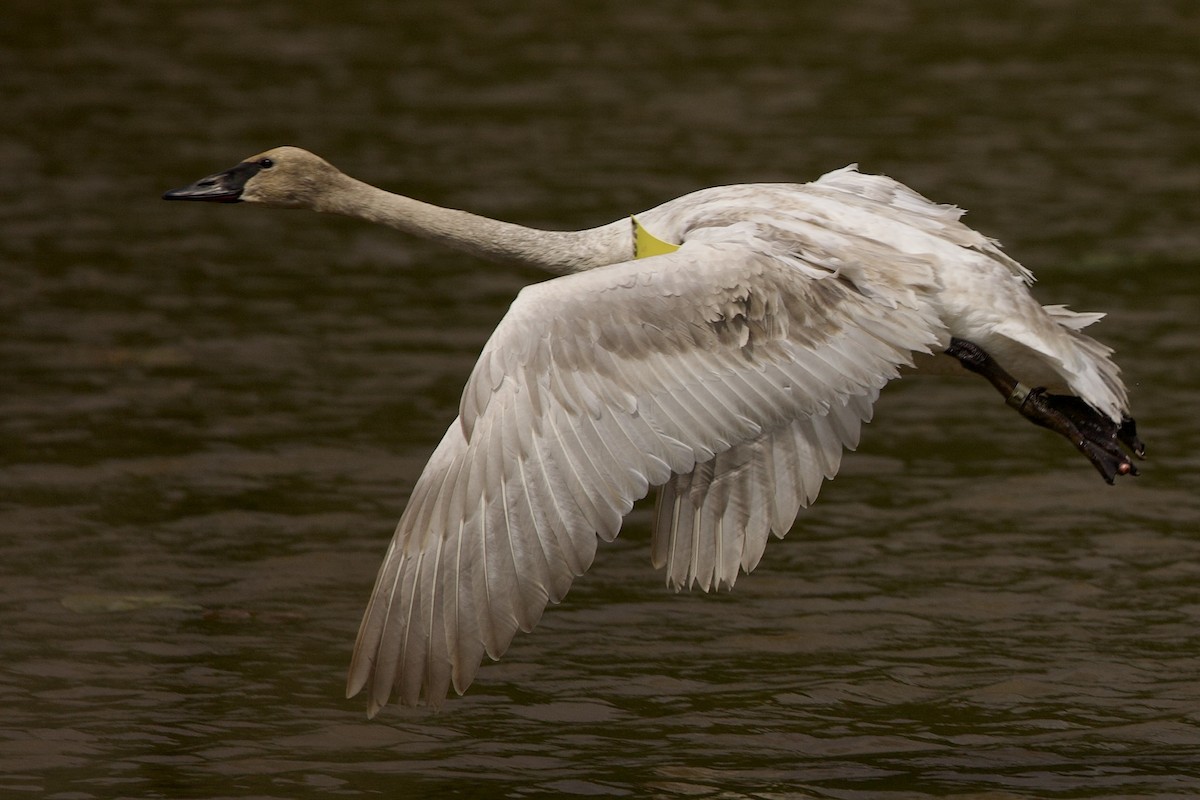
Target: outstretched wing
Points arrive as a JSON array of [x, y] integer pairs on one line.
[[595, 387]]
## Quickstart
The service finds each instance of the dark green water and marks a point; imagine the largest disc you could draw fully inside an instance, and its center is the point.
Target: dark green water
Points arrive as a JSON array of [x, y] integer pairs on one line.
[[210, 417]]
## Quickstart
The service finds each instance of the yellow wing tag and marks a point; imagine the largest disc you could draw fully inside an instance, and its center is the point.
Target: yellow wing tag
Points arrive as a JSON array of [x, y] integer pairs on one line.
[[646, 244]]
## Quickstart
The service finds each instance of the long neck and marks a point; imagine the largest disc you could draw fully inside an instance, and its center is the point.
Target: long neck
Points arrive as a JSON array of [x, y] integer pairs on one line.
[[556, 251]]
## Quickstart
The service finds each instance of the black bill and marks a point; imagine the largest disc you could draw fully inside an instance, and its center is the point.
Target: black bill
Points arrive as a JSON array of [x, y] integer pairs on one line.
[[223, 187]]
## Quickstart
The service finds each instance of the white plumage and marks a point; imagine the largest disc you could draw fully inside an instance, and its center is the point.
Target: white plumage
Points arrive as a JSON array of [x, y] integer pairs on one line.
[[732, 372]]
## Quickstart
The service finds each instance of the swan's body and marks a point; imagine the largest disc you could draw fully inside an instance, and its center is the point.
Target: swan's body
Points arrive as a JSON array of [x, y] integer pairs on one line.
[[732, 372]]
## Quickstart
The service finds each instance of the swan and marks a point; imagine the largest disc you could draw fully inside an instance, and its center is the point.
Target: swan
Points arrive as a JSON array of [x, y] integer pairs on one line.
[[725, 346]]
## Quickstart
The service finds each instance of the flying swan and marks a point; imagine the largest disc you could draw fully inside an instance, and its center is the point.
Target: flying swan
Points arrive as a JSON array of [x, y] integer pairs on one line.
[[725, 347]]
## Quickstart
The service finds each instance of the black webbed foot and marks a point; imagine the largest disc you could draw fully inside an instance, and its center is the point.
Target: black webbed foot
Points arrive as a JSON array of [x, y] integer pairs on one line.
[[1127, 434], [1093, 434]]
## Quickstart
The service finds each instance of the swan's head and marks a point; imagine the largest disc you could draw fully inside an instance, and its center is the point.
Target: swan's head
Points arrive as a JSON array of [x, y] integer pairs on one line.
[[284, 177]]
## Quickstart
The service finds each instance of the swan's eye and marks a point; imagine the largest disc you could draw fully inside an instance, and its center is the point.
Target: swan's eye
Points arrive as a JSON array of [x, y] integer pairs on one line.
[[266, 163]]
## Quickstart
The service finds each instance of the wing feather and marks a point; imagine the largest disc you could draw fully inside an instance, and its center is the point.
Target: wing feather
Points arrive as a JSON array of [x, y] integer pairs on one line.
[[736, 500], [729, 374]]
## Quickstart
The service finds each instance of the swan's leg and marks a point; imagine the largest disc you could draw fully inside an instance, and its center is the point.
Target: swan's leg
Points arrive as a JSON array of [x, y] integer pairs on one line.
[[1092, 433]]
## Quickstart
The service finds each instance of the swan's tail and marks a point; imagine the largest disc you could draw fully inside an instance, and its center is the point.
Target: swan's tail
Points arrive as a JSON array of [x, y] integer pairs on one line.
[[1075, 361]]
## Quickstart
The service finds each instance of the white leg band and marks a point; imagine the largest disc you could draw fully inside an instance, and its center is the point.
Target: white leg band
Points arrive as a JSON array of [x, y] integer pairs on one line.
[[1019, 394]]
